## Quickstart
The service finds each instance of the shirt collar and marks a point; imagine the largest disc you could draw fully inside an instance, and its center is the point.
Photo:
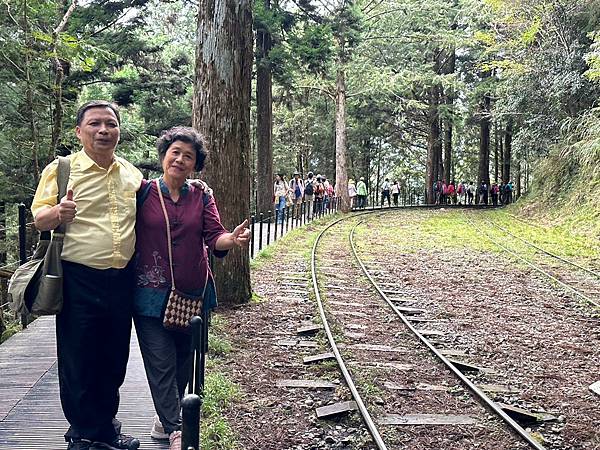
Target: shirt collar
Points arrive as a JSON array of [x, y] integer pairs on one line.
[[86, 162], [165, 190]]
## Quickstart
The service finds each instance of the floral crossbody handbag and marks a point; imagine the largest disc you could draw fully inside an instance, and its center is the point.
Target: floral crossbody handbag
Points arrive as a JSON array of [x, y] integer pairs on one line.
[[180, 306]]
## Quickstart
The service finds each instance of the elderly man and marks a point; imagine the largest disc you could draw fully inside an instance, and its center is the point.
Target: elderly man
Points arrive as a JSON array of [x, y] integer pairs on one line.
[[94, 327]]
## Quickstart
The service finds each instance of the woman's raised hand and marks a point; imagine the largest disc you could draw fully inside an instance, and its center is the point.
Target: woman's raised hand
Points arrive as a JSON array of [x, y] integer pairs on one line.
[[241, 234]]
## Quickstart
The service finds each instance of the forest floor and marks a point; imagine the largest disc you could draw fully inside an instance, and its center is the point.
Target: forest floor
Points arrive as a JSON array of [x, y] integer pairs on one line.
[[540, 340]]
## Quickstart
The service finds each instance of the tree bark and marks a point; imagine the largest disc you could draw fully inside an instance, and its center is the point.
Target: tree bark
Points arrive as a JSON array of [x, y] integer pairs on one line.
[[221, 111], [341, 171], [57, 115], [264, 120], [484, 140], [496, 151], [507, 155], [33, 129], [434, 169], [448, 67]]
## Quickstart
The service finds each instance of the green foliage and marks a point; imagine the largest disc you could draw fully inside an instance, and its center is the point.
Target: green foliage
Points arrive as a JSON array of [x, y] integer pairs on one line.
[[220, 392]]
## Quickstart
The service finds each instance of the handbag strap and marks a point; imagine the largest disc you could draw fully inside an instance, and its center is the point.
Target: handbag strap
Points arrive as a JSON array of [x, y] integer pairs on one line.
[[162, 203], [62, 179]]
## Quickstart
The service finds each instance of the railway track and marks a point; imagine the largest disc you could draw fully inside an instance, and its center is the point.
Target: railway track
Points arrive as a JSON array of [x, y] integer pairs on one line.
[[583, 282], [409, 391]]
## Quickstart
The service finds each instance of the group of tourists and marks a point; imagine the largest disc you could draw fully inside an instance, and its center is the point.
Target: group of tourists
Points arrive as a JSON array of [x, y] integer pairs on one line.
[[315, 191], [128, 243], [465, 193]]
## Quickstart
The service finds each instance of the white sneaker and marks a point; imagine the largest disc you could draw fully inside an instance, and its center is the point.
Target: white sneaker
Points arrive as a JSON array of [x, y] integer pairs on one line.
[[158, 432], [175, 440]]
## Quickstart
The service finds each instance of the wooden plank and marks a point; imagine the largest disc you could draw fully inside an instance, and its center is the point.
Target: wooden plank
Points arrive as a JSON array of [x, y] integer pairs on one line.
[[309, 330], [336, 409], [349, 304], [389, 365], [427, 419], [378, 348], [318, 358], [32, 419], [307, 384], [452, 352], [498, 389], [431, 333], [415, 387], [466, 367]]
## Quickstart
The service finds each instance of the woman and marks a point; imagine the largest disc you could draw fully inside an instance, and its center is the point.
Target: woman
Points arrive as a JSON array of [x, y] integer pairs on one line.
[[351, 192], [280, 190], [194, 223]]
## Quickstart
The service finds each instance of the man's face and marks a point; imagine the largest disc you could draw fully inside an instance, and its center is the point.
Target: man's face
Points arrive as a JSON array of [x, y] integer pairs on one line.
[[99, 130]]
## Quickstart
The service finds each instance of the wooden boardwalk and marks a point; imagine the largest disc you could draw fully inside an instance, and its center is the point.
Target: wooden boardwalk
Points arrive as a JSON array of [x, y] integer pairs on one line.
[[30, 412]]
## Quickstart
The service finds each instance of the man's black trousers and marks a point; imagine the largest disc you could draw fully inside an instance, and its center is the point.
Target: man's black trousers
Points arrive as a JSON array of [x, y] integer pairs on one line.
[[92, 333]]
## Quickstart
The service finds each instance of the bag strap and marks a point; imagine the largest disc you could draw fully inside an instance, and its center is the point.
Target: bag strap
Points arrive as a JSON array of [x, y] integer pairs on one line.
[[62, 179], [162, 204]]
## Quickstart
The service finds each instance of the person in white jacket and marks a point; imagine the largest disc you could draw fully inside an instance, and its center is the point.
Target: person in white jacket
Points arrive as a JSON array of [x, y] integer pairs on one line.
[[297, 192]]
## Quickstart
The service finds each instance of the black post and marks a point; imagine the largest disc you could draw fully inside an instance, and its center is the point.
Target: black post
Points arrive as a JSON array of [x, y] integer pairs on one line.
[[252, 236], [287, 219], [302, 212], [269, 228], [260, 231], [201, 367], [190, 430], [22, 234], [193, 382]]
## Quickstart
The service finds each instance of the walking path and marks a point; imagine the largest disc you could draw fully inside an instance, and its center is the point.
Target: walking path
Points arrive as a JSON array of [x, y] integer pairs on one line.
[[30, 412]]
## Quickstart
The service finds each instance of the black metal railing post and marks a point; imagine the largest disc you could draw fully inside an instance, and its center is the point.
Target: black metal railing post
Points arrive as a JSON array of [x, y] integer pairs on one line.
[[190, 430], [22, 234], [287, 218], [260, 231], [252, 235]]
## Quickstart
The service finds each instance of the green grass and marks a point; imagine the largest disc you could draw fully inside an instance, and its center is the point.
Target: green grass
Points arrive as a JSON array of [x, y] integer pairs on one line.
[[12, 327], [414, 231], [220, 392], [560, 239]]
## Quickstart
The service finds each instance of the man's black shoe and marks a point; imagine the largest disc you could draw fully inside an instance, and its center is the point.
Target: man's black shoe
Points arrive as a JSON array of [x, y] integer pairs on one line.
[[121, 442], [79, 444]]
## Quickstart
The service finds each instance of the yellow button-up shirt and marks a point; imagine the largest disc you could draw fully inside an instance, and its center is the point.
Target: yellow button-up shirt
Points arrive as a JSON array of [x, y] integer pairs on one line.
[[102, 235]]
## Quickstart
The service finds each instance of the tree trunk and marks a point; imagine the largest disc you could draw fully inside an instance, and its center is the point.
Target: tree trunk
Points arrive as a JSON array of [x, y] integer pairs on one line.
[[449, 66], [59, 65], [447, 150], [33, 129], [434, 169], [433, 143], [221, 111], [341, 171], [508, 134], [496, 151], [518, 184], [264, 120], [484, 141]]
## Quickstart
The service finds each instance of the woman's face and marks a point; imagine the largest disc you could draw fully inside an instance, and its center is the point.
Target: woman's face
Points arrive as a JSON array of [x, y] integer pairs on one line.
[[277, 178], [179, 161]]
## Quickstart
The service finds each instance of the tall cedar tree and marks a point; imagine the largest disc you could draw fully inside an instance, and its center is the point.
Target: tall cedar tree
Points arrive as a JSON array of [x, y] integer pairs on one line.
[[264, 117], [221, 111]]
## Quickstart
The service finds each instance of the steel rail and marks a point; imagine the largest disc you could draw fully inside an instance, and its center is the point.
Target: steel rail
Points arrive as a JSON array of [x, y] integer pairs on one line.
[[533, 266], [553, 255], [347, 377], [478, 392]]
